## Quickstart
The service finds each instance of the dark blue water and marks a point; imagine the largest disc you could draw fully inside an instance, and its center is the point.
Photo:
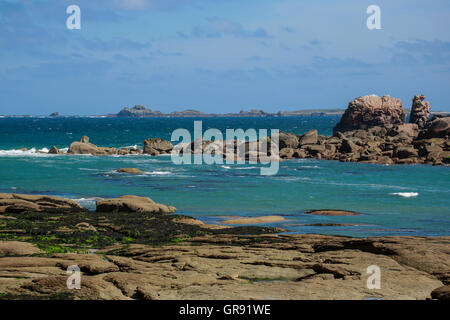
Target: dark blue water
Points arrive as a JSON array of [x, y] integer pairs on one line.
[[393, 200]]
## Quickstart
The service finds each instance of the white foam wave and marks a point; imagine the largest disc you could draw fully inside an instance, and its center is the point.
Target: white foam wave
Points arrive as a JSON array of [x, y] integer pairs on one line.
[[405, 194], [158, 172]]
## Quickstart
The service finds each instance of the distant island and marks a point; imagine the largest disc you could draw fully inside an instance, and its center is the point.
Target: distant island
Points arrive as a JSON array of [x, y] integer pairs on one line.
[[140, 111]]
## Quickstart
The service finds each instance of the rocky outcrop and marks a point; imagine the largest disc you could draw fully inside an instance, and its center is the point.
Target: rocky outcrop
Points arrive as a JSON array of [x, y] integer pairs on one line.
[[85, 147], [157, 146], [420, 111], [370, 111], [132, 204], [138, 111], [12, 202]]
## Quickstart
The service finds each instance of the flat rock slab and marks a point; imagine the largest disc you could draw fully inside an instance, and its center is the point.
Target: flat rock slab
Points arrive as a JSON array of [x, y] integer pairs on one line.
[[254, 220], [241, 267], [17, 248]]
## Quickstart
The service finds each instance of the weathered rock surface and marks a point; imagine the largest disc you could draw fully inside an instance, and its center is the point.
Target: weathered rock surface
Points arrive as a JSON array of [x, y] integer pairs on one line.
[[437, 127], [230, 267], [420, 111], [130, 203], [370, 111], [17, 248], [12, 202], [157, 146]]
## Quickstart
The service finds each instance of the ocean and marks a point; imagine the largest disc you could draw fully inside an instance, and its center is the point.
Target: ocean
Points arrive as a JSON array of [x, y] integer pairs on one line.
[[393, 200]]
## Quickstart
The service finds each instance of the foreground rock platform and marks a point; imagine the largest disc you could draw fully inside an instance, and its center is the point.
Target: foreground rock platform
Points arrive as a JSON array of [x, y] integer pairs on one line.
[[239, 267]]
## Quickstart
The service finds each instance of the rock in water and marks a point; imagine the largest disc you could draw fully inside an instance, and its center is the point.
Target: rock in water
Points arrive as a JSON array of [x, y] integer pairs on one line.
[[54, 150], [133, 204], [369, 111], [129, 170], [157, 146], [420, 111]]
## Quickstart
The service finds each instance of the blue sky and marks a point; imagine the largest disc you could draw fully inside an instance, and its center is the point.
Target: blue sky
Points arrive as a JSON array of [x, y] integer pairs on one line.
[[219, 55]]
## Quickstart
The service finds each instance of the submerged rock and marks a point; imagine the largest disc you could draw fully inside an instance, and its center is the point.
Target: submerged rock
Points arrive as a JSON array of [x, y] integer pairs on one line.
[[130, 170], [328, 212]]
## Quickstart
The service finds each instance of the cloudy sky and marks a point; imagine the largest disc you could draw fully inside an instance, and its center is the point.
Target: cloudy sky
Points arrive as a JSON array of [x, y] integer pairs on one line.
[[219, 55]]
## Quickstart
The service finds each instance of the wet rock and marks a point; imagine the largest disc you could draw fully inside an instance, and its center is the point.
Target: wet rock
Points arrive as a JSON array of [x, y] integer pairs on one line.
[[329, 212]]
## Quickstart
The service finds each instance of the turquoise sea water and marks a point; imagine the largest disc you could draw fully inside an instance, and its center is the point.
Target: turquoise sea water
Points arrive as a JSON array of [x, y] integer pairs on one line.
[[393, 200]]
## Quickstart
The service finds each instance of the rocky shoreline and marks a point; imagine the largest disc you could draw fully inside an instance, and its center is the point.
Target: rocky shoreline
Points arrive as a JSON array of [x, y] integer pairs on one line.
[[132, 249], [371, 130]]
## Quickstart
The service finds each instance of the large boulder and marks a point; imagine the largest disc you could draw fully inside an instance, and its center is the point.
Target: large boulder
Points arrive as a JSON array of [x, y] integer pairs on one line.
[[311, 137], [437, 127], [156, 146], [420, 111], [85, 147], [11, 202], [369, 111], [441, 293], [287, 140], [132, 204]]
